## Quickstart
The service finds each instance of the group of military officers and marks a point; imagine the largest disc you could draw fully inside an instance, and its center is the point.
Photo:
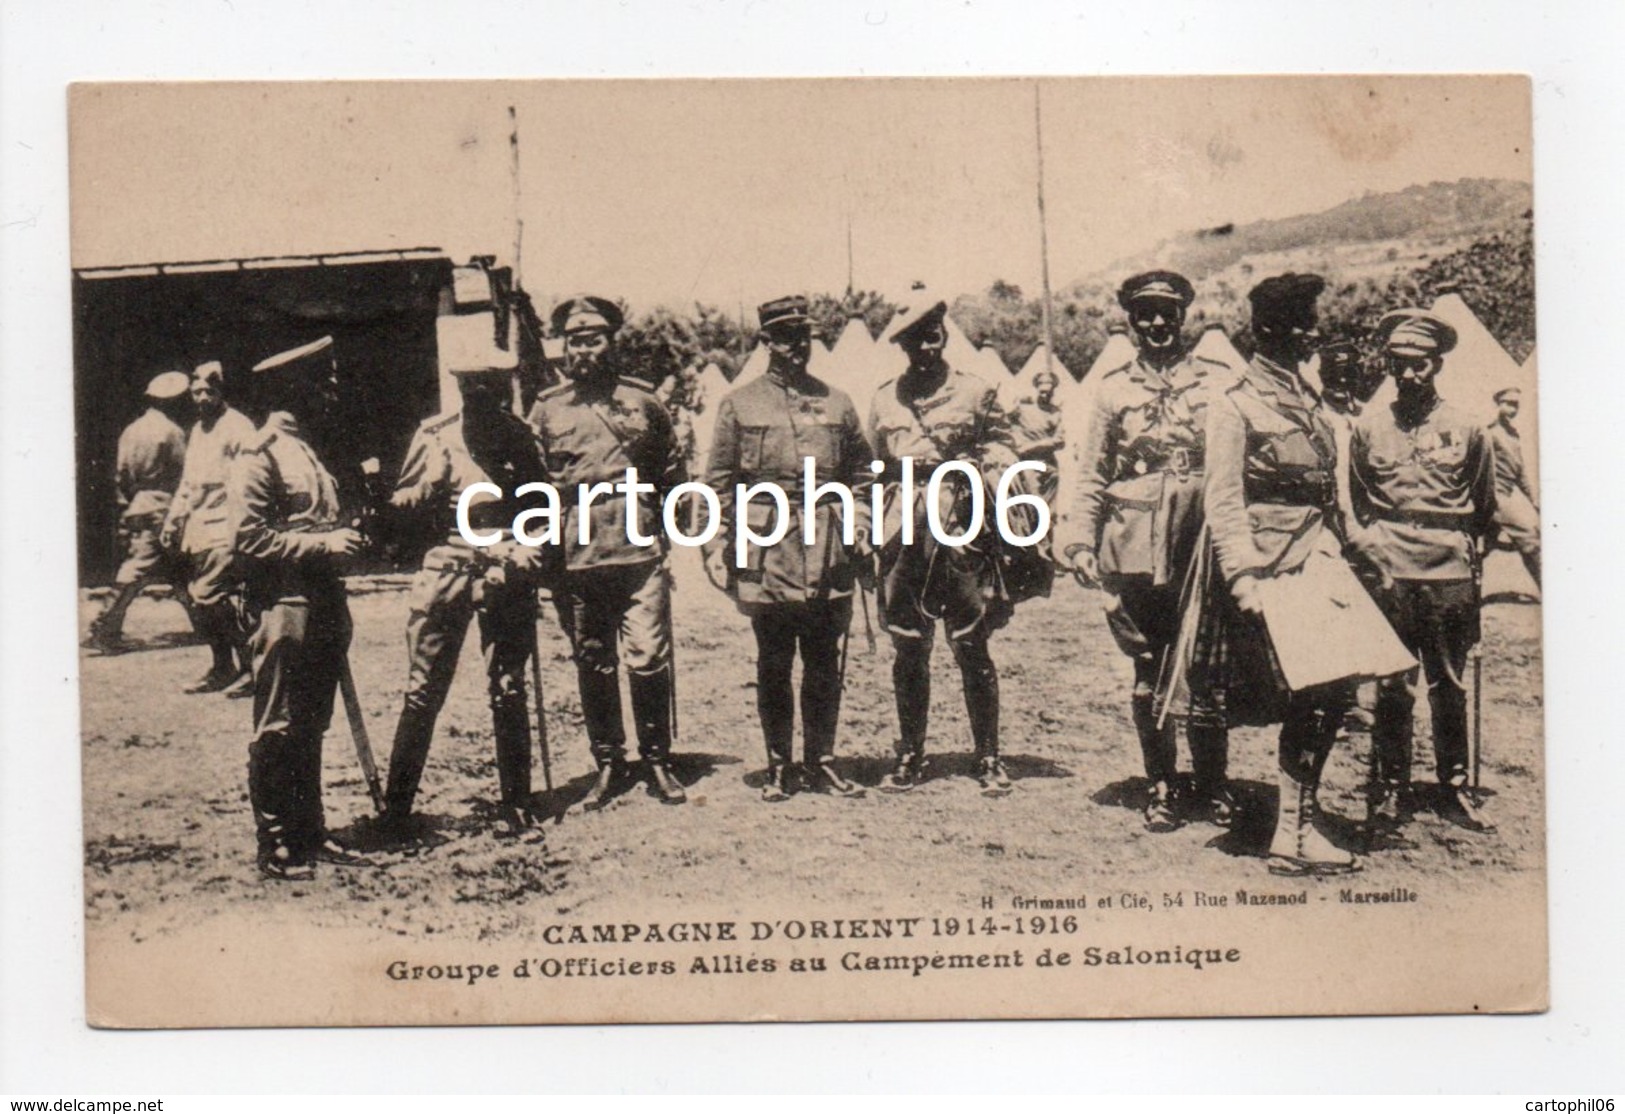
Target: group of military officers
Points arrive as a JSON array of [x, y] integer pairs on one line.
[[1213, 507]]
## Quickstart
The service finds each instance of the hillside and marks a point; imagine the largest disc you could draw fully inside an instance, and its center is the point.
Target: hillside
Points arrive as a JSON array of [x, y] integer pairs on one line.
[[1439, 215]]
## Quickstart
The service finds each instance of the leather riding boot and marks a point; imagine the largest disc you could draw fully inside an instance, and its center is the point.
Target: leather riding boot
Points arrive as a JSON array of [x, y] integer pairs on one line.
[[651, 713], [601, 713], [911, 681], [1210, 764], [270, 795], [510, 722], [407, 757], [980, 678]]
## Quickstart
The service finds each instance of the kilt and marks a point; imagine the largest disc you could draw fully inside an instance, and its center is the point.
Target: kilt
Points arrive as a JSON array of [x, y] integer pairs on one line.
[[1320, 627]]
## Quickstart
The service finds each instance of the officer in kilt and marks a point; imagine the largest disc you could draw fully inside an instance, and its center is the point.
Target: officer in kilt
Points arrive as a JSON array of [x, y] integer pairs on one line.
[[1283, 629]]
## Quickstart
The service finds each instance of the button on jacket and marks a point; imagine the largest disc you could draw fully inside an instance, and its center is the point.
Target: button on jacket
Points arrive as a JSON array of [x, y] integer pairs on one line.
[[1137, 497], [1271, 463], [1423, 491], [590, 432], [765, 430]]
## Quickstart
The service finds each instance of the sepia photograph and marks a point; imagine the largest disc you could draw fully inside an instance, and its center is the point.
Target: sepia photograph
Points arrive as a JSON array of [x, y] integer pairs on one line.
[[623, 551]]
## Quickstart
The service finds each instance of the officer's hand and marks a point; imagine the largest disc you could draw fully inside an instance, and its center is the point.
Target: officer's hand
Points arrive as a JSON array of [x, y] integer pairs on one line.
[[344, 542], [716, 567], [1248, 597], [1087, 565], [166, 538]]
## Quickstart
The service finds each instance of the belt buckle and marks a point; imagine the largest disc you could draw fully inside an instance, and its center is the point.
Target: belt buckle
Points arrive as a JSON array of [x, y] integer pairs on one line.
[[1179, 463]]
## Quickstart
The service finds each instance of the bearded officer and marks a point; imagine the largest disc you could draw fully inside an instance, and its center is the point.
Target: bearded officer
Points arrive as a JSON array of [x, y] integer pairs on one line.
[[1516, 512], [797, 593], [460, 582], [1134, 525], [613, 596], [290, 542], [199, 522], [1284, 630], [151, 457], [930, 414], [1423, 483]]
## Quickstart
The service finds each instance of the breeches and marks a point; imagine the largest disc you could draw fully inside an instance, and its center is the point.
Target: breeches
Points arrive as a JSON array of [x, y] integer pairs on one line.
[[616, 613], [443, 604], [1437, 620]]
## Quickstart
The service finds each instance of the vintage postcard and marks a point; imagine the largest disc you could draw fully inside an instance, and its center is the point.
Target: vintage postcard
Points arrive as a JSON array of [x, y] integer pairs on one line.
[[638, 551]]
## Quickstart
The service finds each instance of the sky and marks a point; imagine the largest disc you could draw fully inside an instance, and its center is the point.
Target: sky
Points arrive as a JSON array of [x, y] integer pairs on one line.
[[732, 192]]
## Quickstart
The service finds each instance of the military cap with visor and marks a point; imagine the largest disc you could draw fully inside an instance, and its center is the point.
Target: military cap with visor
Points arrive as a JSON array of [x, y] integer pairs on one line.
[[791, 310], [168, 385], [1415, 332], [1165, 285], [585, 312], [307, 357]]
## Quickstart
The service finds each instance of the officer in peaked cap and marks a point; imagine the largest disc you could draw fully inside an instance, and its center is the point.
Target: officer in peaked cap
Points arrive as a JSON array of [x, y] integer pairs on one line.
[[151, 455], [1423, 483], [1040, 431], [1133, 527], [198, 522], [613, 594], [933, 413], [798, 594], [482, 442], [289, 535], [1516, 512]]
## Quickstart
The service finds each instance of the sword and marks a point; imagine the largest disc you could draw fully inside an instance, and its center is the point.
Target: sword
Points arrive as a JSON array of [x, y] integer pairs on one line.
[[1477, 737], [541, 709], [671, 645], [358, 732]]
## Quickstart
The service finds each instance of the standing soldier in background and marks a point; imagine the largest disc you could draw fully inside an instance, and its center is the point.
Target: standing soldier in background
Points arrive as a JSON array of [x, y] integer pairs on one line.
[[1424, 495], [1135, 524], [458, 582], [199, 520], [934, 413], [1284, 628], [151, 455], [1515, 512], [289, 537], [1040, 435], [795, 592], [613, 596]]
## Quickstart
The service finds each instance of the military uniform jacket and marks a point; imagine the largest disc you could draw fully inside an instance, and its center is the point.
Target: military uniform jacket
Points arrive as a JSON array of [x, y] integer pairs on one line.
[[955, 418], [1137, 499], [1507, 446], [281, 498], [1422, 492], [1271, 471], [764, 431], [199, 510], [591, 432], [436, 470], [1038, 431], [151, 455]]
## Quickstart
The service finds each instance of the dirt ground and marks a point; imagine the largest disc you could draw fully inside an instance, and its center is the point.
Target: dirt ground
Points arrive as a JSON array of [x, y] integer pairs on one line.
[[169, 837]]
